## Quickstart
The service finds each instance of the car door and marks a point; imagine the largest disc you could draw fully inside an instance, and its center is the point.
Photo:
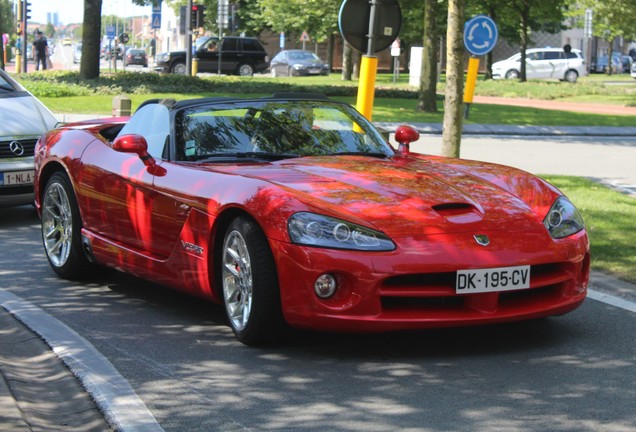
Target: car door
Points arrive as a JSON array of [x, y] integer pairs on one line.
[[208, 55], [117, 189], [553, 64], [278, 64], [535, 65]]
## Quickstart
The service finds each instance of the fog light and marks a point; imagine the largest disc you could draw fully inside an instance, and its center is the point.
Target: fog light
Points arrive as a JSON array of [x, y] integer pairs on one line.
[[325, 286]]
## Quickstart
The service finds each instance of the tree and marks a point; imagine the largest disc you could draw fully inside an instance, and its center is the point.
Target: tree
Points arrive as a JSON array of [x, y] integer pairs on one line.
[[609, 20], [49, 31], [504, 16], [7, 24], [89, 66], [319, 18], [452, 125], [427, 94], [538, 15]]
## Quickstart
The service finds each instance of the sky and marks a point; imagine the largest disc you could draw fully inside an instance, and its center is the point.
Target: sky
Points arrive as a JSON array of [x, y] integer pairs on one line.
[[72, 11]]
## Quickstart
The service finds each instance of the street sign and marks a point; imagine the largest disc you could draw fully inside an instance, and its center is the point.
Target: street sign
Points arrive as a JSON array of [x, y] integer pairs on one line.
[[156, 20], [156, 7], [480, 35], [110, 32], [354, 22], [305, 37]]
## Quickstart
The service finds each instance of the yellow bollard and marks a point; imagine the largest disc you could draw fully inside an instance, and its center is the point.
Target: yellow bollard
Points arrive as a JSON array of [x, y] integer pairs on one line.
[[366, 86], [18, 63], [471, 79], [195, 66]]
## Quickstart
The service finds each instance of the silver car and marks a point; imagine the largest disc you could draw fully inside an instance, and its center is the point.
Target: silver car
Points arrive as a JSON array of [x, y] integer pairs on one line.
[[24, 120]]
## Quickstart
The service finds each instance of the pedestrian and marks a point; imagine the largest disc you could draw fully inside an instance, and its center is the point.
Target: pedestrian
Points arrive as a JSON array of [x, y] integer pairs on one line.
[[40, 50]]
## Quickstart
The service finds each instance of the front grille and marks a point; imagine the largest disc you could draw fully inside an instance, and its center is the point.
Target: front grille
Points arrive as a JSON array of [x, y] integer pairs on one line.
[[28, 144], [436, 291]]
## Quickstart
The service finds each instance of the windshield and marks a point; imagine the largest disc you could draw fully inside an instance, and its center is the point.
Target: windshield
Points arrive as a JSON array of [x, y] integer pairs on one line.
[[5, 85], [302, 55], [284, 128]]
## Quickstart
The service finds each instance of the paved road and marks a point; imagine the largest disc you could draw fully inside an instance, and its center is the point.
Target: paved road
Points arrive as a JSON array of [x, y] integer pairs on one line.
[[573, 373], [607, 159]]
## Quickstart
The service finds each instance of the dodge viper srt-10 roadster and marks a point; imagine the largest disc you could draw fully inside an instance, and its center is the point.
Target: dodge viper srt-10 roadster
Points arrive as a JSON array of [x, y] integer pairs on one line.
[[294, 211]]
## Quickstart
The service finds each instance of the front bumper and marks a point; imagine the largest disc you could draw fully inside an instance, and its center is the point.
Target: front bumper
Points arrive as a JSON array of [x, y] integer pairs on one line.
[[410, 289], [11, 195]]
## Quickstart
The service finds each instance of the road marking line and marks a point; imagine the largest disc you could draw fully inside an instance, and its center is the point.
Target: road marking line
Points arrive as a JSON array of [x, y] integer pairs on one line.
[[611, 300]]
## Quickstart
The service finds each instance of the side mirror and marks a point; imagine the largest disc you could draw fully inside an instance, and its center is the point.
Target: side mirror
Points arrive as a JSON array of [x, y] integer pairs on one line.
[[137, 144], [405, 135], [131, 144]]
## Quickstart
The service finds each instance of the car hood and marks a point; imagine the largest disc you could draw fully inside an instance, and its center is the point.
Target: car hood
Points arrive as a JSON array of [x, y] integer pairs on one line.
[[23, 114], [405, 196]]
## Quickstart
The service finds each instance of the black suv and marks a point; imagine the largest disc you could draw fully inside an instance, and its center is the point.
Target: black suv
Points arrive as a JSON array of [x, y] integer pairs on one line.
[[239, 56]]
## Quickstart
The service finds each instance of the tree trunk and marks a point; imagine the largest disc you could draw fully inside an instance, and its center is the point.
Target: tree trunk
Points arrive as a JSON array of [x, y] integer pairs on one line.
[[89, 66], [427, 94], [347, 65], [524, 38], [452, 127]]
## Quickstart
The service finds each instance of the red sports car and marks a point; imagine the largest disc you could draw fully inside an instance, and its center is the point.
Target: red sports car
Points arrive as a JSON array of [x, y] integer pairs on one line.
[[293, 210]]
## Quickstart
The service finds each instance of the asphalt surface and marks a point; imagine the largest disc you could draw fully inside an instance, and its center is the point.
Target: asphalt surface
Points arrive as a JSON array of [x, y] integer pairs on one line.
[[58, 383]]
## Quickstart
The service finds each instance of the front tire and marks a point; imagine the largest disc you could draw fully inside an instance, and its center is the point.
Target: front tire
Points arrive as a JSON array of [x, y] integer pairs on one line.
[[61, 229], [178, 68], [512, 74], [250, 284]]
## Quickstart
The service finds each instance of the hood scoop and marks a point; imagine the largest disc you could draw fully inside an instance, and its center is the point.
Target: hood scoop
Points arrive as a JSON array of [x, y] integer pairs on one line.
[[458, 212]]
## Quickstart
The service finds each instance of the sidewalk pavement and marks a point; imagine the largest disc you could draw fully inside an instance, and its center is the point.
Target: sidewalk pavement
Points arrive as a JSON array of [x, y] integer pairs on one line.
[[39, 392]]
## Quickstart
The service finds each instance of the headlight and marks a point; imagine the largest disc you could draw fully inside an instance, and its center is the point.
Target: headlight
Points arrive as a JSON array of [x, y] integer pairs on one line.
[[563, 219], [299, 66], [322, 231]]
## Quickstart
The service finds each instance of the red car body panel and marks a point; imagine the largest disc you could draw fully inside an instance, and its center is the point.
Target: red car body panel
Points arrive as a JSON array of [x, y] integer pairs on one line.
[[162, 224]]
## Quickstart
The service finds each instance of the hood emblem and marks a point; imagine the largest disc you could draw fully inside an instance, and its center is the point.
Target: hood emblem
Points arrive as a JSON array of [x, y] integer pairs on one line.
[[16, 148], [482, 239]]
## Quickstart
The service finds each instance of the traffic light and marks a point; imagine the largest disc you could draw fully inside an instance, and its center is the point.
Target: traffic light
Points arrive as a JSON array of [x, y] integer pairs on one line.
[[27, 11], [194, 17], [197, 16], [201, 16]]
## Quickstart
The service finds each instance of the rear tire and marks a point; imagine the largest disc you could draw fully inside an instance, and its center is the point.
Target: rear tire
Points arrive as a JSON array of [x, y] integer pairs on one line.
[[250, 284], [571, 76], [62, 229], [245, 69]]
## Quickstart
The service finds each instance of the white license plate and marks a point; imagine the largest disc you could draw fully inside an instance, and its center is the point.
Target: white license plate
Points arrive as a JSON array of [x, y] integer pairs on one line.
[[314, 71], [492, 280], [16, 178]]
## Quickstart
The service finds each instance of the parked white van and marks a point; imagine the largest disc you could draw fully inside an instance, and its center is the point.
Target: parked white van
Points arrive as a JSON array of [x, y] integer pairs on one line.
[[543, 63]]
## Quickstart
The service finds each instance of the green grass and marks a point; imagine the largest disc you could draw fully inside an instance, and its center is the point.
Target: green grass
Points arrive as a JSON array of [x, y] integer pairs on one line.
[[64, 92], [609, 216], [385, 109]]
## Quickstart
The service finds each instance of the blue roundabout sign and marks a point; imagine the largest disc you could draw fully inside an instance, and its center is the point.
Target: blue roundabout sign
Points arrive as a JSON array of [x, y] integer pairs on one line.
[[480, 35]]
